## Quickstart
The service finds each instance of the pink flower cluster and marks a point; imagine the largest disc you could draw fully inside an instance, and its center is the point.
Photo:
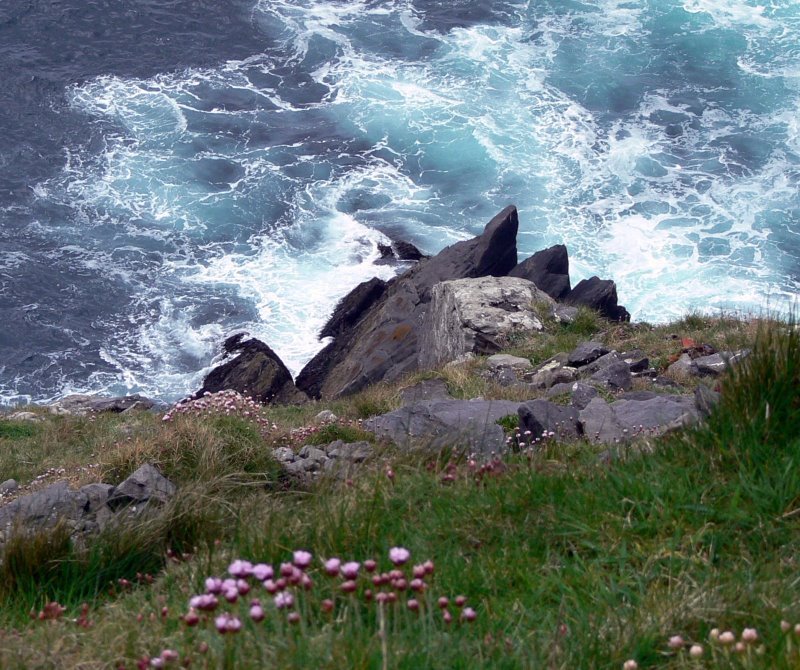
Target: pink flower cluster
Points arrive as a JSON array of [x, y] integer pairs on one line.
[[226, 403], [403, 583]]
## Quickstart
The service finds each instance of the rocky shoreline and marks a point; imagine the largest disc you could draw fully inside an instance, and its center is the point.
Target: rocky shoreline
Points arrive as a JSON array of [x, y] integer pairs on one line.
[[472, 299]]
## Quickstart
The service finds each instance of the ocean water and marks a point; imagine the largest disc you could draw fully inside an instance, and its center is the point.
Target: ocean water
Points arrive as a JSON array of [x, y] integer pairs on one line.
[[174, 171]]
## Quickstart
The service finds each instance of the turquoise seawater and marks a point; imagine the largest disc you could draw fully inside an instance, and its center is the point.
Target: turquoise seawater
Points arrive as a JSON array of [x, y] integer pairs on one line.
[[659, 140]]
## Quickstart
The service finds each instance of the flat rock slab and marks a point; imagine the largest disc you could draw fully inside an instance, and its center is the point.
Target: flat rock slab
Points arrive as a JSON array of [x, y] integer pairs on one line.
[[467, 425], [81, 405], [625, 419]]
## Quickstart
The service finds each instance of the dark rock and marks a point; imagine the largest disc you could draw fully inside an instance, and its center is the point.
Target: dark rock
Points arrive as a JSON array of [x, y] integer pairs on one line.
[[638, 395], [655, 414], [681, 367], [544, 379], [599, 423], [600, 363], [715, 364], [705, 400], [398, 250], [426, 390], [600, 295], [543, 416], [476, 316], [256, 372], [8, 486], [81, 405], [580, 394], [467, 425], [384, 344], [145, 485], [350, 309], [564, 313], [615, 376], [548, 269], [637, 360], [96, 496], [585, 353], [357, 452]]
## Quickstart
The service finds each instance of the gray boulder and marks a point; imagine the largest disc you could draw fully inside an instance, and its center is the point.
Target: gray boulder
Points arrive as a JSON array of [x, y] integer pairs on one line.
[[616, 376], [356, 452], [145, 485], [41, 509], [580, 394], [476, 316], [548, 269], [715, 364], [542, 416], [627, 418], [467, 425], [545, 379], [705, 400], [82, 405]]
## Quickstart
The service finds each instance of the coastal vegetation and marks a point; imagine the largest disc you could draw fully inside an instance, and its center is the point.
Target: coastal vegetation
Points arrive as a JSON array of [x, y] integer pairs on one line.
[[676, 551]]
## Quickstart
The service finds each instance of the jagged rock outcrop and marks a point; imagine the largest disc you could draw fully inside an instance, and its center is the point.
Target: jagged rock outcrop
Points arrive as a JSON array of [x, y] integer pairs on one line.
[[384, 344], [255, 371], [398, 250], [599, 294], [548, 269], [477, 316], [353, 306]]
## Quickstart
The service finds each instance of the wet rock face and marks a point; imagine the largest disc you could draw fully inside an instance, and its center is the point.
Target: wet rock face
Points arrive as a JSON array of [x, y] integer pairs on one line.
[[548, 269], [599, 294], [477, 316], [255, 371]]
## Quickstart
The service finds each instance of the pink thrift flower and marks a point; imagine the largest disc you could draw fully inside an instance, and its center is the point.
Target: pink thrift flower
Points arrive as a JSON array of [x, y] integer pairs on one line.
[[214, 585], [294, 617], [242, 586], [191, 618], [332, 566], [271, 586], [417, 585], [302, 559], [240, 568], [696, 651], [257, 613], [468, 614], [327, 605], [443, 602], [399, 555], [675, 642], [727, 638], [350, 570], [413, 605], [349, 586], [283, 600], [231, 595], [429, 567], [370, 565], [263, 571], [749, 635], [418, 571], [461, 601], [630, 664]]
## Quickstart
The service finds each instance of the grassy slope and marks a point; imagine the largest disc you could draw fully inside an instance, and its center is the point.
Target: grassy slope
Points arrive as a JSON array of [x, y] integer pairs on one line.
[[569, 564]]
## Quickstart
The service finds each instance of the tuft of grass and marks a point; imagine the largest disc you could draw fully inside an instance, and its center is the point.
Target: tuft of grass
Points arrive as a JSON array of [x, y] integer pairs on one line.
[[337, 431]]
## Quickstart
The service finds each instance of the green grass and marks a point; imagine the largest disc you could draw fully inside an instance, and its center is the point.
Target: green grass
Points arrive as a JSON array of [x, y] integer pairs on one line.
[[569, 562]]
